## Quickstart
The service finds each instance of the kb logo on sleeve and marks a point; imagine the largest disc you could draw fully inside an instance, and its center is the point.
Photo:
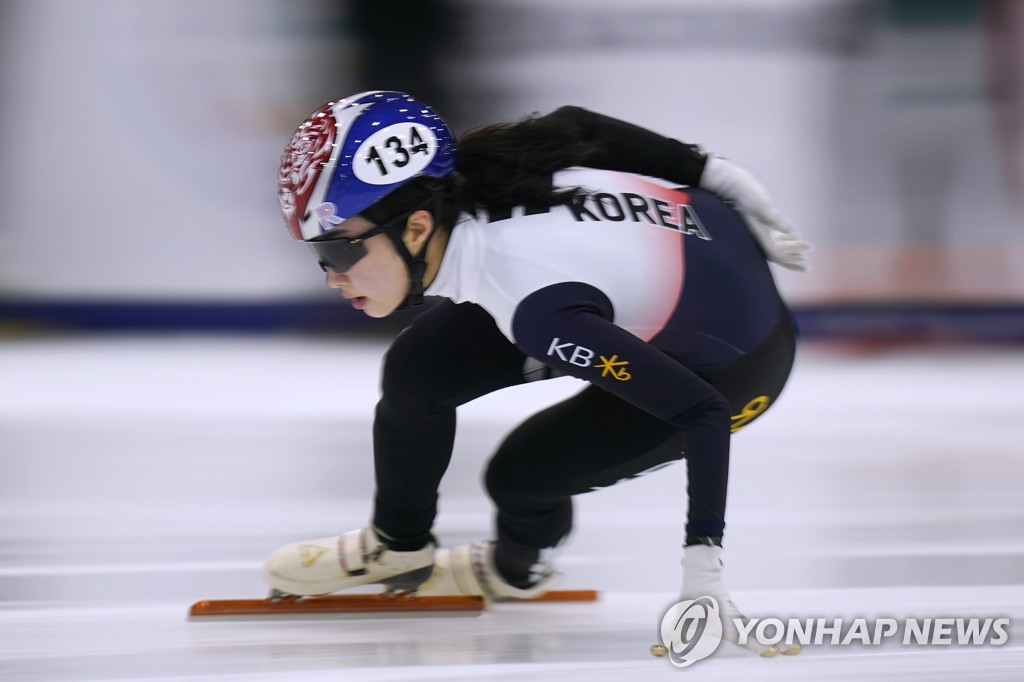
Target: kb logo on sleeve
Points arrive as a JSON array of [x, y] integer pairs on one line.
[[584, 357]]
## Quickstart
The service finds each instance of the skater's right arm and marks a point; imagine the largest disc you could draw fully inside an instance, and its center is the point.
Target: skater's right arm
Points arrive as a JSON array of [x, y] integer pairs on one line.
[[570, 327]]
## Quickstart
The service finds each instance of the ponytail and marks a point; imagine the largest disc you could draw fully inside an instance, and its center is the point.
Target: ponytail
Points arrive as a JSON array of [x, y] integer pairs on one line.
[[511, 164]]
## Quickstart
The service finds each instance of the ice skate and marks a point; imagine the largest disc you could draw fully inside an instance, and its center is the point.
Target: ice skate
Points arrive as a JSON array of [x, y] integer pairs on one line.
[[360, 557], [460, 581], [469, 570], [299, 573], [702, 576]]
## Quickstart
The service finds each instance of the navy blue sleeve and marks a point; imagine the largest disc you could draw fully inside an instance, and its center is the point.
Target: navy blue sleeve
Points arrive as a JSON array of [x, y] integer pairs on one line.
[[570, 327]]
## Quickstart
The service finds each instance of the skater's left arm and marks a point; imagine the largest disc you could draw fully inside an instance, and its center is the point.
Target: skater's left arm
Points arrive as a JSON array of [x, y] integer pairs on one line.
[[622, 146]]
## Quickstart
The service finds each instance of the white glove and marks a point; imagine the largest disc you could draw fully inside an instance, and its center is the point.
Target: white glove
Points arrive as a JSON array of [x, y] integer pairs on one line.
[[702, 577], [775, 235]]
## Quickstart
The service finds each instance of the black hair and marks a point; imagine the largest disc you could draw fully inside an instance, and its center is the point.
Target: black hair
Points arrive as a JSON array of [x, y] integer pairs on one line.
[[511, 164]]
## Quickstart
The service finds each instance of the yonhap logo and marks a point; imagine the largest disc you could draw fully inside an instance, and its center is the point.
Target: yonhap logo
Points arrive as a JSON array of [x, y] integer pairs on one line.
[[692, 630]]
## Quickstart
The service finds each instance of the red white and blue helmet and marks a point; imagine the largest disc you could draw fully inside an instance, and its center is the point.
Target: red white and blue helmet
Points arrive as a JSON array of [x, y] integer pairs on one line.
[[350, 153]]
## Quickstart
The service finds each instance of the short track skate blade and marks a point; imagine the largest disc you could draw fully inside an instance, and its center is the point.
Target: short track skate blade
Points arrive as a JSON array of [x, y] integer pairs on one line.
[[558, 596], [330, 605]]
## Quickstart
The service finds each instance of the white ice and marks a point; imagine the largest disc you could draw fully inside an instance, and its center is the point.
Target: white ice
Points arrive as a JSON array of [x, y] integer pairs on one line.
[[140, 474]]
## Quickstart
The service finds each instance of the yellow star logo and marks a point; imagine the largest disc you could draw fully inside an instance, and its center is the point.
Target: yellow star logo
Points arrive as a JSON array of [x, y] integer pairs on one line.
[[608, 366]]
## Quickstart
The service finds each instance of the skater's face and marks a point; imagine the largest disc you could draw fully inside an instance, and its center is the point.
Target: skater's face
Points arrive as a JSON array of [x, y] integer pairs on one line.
[[378, 282]]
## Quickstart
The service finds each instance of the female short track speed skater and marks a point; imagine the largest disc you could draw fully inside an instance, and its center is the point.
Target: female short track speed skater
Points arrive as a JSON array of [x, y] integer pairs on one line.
[[567, 244]]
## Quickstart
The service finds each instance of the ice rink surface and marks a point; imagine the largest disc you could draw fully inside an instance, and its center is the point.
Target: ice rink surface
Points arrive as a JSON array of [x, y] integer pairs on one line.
[[141, 474]]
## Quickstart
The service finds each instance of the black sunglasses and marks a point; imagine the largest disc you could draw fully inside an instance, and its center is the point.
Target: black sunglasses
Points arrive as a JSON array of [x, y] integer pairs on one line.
[[341, 253]]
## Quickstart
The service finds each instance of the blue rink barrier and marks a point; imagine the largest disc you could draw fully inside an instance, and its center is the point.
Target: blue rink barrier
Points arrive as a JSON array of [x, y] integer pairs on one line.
[[981, 322], [889, 321]]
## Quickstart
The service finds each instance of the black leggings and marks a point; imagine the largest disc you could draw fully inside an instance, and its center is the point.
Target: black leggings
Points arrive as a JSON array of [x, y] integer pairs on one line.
[[453, 354]]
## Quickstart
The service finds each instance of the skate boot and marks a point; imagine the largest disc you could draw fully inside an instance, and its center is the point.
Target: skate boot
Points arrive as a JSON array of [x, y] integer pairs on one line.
[[344, 561], [702, 576], [470, 570]]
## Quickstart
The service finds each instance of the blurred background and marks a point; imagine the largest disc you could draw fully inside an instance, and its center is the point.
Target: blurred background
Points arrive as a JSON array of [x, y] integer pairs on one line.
[[141, 139], [179, 392]]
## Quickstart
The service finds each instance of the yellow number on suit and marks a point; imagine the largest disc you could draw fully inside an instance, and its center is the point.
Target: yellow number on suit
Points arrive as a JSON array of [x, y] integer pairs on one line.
[[749, 412]]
